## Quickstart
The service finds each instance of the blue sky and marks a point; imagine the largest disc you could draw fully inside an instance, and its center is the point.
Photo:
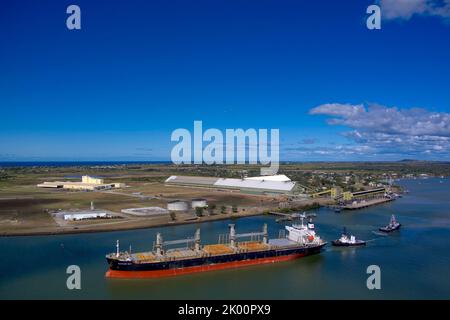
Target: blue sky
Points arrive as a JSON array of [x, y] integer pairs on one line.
[[137, 70]]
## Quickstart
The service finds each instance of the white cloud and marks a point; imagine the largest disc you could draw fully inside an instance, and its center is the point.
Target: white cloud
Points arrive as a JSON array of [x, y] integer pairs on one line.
[[308, 141], [377, 118], [383, 130], [338, 109], [405, 9]]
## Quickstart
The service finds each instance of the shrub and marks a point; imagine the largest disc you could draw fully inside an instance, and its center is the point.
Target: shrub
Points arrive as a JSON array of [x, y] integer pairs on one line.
[[199, 211]]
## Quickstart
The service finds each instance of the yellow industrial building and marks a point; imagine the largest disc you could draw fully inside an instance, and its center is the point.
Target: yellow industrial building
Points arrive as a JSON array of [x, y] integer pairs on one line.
[[87, 183]]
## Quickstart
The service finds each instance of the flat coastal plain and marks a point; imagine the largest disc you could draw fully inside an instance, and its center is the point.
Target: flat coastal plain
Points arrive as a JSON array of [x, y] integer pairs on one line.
[[28, 210]]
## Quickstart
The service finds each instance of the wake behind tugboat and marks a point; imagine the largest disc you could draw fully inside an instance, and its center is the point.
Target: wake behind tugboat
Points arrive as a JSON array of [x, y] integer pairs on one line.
[[300, 241]]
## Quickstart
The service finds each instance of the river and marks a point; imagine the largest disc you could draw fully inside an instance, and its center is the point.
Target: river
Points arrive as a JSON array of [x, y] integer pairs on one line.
[[414, 262]]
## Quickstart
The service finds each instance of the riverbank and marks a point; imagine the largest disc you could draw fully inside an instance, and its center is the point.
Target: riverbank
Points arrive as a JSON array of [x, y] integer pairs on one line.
[[144, 223], [127, 225]]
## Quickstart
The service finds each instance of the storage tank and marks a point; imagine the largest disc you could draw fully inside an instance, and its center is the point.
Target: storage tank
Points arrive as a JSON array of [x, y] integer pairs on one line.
[[199, 203], [177, 205]]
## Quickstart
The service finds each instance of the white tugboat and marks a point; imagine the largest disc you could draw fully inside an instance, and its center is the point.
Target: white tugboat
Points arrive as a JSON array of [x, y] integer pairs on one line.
[[392, 226], [347, 240]]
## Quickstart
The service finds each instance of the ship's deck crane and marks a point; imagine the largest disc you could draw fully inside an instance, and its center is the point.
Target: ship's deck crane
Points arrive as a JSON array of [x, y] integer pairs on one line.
[[234, 235], [160, 243]]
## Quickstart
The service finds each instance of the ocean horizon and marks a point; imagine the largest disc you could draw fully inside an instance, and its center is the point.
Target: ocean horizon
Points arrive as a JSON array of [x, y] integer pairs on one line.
[[10, 164]]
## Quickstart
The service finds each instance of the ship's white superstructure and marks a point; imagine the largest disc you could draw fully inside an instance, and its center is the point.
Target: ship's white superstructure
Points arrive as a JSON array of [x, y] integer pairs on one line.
[[302, 234]]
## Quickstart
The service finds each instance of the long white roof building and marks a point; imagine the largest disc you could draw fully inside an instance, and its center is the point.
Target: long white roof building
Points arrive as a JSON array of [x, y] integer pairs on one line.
[[278, 177], [262, 185]]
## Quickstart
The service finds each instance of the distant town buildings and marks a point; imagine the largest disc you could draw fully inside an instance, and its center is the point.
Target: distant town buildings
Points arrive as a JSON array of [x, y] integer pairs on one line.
[[87, 183]]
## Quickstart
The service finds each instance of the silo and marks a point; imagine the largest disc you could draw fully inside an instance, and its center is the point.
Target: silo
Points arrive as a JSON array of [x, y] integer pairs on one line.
[[177, 205]]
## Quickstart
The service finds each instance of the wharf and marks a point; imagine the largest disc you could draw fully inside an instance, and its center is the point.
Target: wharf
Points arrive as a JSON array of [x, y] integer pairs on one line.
[[366, 203], [284, 216]]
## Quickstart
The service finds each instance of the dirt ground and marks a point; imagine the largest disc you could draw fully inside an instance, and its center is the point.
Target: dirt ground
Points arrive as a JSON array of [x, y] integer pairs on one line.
[[26, 209]]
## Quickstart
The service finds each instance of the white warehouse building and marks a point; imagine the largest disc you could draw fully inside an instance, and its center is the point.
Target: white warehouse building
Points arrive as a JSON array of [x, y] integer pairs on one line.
[[276, 184], [199, 203], [84, 216], [177, 205]]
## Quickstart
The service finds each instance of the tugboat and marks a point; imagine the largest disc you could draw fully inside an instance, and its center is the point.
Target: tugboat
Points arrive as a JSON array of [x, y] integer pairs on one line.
[[347, 240], [392, 226]]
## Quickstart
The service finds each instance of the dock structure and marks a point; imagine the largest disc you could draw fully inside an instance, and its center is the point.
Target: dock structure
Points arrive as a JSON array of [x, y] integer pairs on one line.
[[283, 216], [366, 203], [334, 193], [347, 200], [365, 198], [346, 197], [369, 194], [280, 214], [293, 215]]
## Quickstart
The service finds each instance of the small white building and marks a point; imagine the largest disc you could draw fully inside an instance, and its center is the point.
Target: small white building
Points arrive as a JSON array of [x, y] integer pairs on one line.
[[199, 203]]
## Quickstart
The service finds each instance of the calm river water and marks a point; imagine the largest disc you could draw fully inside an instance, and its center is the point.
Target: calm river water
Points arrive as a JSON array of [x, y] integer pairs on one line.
[[414, 262]]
